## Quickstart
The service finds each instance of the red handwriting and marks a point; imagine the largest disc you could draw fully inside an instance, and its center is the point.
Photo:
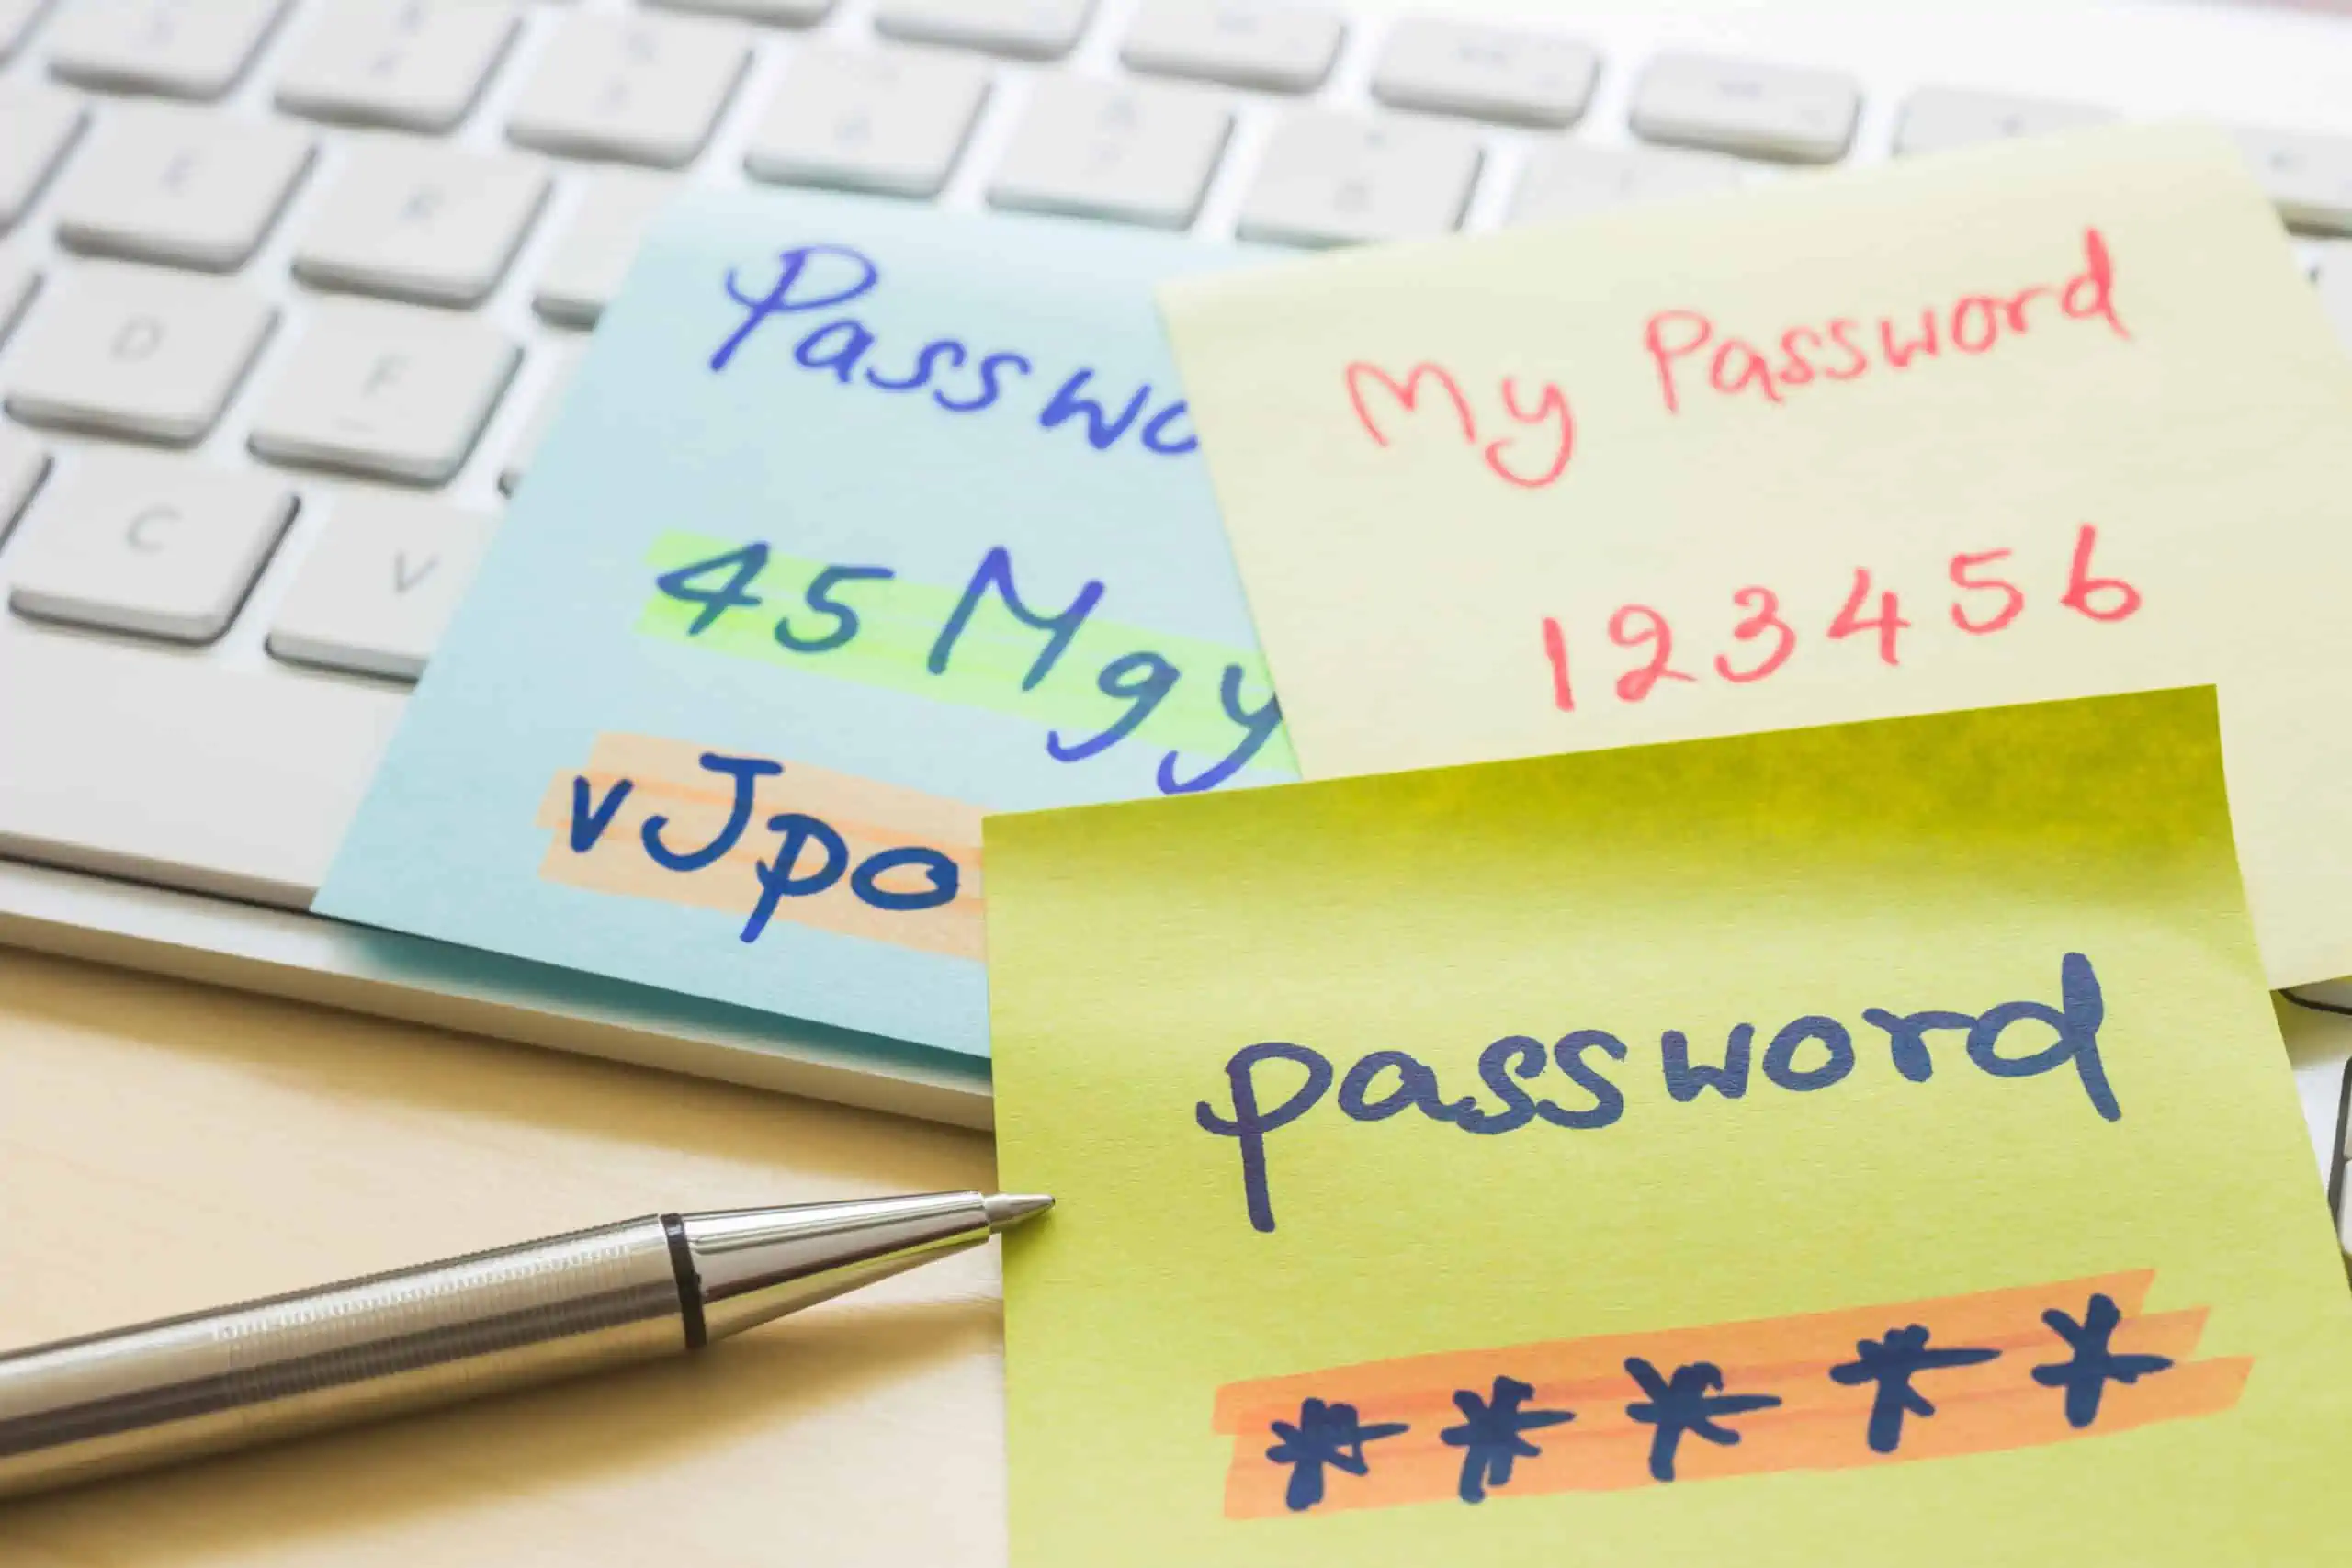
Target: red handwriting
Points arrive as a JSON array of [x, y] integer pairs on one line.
[[1635, 684], [1550, 425], [1407, 393], [1845, 348], [1765, 607], [2012, 596], [1555, 649], [1762, 639]]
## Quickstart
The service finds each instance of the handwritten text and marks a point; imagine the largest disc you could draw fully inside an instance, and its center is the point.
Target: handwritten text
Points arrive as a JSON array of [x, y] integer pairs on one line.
[[1805, 1056], [1760, 638], [816, 284]]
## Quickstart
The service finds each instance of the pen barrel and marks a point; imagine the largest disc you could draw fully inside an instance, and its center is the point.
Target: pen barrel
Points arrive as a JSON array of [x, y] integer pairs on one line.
[[346, 1353]]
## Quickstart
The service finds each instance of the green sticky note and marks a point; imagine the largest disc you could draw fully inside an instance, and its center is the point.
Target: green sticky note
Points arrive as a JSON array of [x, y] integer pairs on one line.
[[1839, 1146]]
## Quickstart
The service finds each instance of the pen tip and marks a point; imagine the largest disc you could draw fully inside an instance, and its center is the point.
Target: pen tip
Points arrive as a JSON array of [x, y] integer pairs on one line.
[[1009, 1209]]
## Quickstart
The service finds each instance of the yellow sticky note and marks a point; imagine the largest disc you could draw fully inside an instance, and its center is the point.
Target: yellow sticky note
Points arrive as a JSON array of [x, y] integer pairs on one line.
[[1860, 1144], [2006, 426]]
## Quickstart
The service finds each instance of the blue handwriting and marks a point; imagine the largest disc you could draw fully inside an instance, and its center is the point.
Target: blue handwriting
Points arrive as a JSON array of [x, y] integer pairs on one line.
[[1324, 1435], [814, 283], [1492, 1435], [1690, 1400], [1891, 1362], [1806, 1056], [782, 875], [1142, 680], [2085, 1376]]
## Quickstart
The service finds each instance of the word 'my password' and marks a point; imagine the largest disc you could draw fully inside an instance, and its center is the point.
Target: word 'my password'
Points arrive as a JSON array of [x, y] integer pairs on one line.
[[1806, 1056], [816, 283]]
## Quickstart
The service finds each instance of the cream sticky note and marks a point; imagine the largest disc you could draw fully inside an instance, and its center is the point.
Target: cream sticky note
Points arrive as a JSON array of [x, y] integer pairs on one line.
[[1860, 1144], [2010, 425]]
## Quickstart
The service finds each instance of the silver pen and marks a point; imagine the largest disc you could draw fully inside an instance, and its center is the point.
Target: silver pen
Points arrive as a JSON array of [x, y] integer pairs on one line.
[[391, 1343]]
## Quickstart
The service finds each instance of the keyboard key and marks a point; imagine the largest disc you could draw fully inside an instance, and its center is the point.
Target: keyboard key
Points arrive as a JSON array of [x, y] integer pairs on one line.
[[1028, 29], [1138, 155], [591, 256], [2309, 177], [17, 283], [22, 464], [534, 429], [124, 350], [16, 19], [38, 122], [184, 49], [415, 64], [385, 390], [1244, 43], [889, 121], [190, 187], [182, 772], [132, 542], [1936, 119], [412, 220], [791, 13], [1446, 67], [1568, 179], [644, 90], [379, 585], [1735, 106], [1332, 178]]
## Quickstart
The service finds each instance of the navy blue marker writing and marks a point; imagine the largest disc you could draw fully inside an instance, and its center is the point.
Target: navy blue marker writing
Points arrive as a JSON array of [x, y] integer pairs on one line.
[[778, 879], [1520, 1054], [1383, 1083], [1249, 1124], [1415, 1089], [742, 566], [944, 877], [1780, 1056], [995, 575], [1690, 1401], [1892, 1363], [1608, 1101], [2076, 1020], [1493, 1434], [2085, 1374], [1257, 724], [1906, 1037], [1686, 1079], [720, 584], [1324, 1436], [820, 599], [589, 821], [1144, 680], [746, 771]]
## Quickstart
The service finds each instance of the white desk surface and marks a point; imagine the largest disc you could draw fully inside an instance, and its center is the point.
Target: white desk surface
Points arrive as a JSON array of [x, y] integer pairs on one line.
[[165, 1147]]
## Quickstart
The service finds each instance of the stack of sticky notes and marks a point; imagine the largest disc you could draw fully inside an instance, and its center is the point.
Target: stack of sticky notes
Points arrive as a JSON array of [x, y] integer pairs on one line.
[[1751, 1046]]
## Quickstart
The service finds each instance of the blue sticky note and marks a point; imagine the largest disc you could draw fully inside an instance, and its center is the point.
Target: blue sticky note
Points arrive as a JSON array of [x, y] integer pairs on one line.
[[859, 522]]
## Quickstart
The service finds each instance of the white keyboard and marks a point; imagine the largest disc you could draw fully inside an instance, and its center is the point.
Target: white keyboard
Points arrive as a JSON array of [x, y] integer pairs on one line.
[[287, 288]]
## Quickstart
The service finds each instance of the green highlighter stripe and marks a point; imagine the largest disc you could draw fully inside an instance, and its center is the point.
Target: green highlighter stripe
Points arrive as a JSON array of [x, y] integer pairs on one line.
[[898, 622]]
